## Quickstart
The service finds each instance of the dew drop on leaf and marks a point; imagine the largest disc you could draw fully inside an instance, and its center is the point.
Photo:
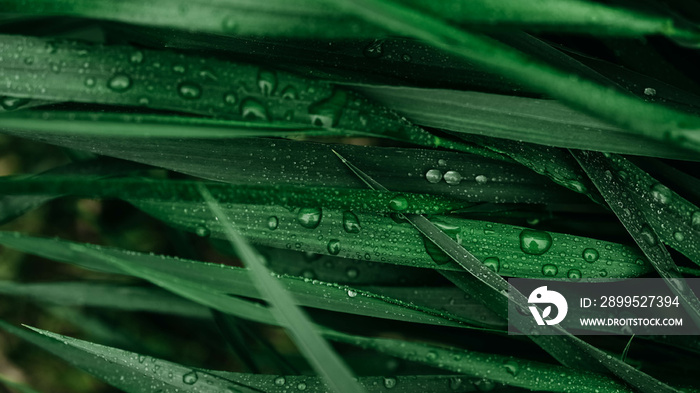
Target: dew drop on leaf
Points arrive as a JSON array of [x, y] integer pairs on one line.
[[272, 223], [280, 381], [535, 242], [190, 378], [230, 99], [661, 193], [351, 272], [89, 82], [481, 179], [309, 217], [327, 112], [351, 293], [202, 231], [574, 275], [252, 109], [433, 176], [493, 263], [267, 82], [512, 367], [431, 356], [136, 57], [301, 386], [351, 223], [374, 50], [189, 90], [679, 236], [398, 203], [11, 103], [333, 246], [389, 382], [648, 235], [695, 220], [590, 255], [119, 83], [550, 270], [453, 177], [290, 93]]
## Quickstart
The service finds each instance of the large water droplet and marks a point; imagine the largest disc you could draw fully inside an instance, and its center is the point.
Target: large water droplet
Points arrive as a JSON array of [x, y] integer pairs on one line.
[[661, 193], [679, 236], [351, 223], [333, 246], [512, 367], [493, 263], [309, 217], [327, 112], [119, 83], [550, 270], [649, 91], [535, 242], [351, 293], [90, 82], [301, 386], [267, 82], [272, 223], [374, 50], [398, 203], [230, 98], [190, 378], [695, 220], [202, 231], [574, 275], [481, 179], [453, 177], [433, 176], [189, 90], [290, 93], [431, 356], [455, 383], [280, 381], [648, 235], [389, 382], [11, 103], [252, 109], [136, 57], [590, 255]]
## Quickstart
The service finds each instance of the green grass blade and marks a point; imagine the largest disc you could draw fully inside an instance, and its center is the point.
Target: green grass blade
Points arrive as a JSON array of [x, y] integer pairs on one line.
[[653, 121], [510, 370], [202, 278], [524, 119], [499, 288], [316, 350], [124, 370], [634, 216], [181, 191], [20, 387], [274, 226]]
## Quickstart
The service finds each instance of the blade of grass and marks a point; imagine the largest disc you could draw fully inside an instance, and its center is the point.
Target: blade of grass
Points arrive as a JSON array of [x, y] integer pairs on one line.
[[313, 346], [634, 216], [20, 387], [499, 288]]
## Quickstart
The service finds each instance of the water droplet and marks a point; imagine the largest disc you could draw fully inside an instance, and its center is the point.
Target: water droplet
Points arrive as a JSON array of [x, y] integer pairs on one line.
[[119, 83], [590, 255], [290, 93], [190, 378], [55, 67], [351, 293], [136, 57], [406, 58], [436, 254], [453, 177], [252, 110], [535, 242], [229, 24], [550, 270], [301, 386], [679, 236], [179, 68], [90, 82], [433, 176], [333, 246], [389, 382], [351, 272], [202, 231], [695, 220], [374, 50], [493, 263], [189, 90], [398, 203], [481, 179], [431, 356], [455, 383], [351, 223], [28, 60], [574, 275], [267, 82], [327, 112], [512, 367], [650, 91], [309, 217], [661, 193], [603, 273], [230, 99], [647, 234], [280, 381], [11, 103], [272, 223]]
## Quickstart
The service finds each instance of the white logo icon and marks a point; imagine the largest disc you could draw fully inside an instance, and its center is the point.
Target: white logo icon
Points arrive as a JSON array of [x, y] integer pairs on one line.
[[542, 295]]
